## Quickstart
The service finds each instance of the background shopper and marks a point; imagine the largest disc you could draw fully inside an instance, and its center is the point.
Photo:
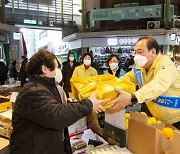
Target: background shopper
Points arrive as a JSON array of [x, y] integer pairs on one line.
[[113, 63], [94, 64], [13, 73], [3, 72], [67, 71], [158, 80], [22, 72], [129, 64], [85, 69], [40, 116]]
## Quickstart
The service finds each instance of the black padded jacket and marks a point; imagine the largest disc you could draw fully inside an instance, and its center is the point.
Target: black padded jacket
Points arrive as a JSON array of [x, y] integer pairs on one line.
[[39, 118]]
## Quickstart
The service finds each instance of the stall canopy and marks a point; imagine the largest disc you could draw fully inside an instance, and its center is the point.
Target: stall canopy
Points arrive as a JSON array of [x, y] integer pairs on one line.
[[8, 28], [117, 38]]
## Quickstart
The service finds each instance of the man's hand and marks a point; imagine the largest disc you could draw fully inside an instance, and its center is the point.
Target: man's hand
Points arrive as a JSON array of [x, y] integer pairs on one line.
[[123, 100], [96, 103]]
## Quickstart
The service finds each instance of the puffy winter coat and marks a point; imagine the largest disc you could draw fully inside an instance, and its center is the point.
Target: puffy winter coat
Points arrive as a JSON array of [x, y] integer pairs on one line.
[[39, 118]]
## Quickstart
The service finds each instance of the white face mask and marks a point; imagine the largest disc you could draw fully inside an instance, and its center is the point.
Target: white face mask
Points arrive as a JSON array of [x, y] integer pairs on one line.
[[71, 58], [87, 62], [140, 60], [58, 76], [113, 66]]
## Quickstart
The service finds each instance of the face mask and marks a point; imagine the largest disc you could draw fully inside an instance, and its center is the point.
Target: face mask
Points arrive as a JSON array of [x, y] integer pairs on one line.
[[140, 60], [58, 76], [87, 62], [113, 66], [71, 58]]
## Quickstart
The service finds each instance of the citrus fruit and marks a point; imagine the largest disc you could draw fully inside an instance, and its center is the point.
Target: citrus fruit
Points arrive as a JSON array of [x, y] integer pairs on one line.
[[143, 113], [168, 132], [127, 115], [158, 122], [153, 120]]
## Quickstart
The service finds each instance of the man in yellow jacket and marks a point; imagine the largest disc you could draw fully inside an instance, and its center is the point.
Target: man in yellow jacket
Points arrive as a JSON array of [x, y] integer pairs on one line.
[[158, 80]]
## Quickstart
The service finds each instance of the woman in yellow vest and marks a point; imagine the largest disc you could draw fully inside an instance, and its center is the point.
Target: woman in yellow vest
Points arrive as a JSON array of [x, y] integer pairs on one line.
[[85, 69]]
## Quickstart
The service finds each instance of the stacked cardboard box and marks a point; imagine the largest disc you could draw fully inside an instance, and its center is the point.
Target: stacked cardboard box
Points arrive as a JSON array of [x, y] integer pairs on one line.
[[114, 128], [6, 124], [175, 149], [148, 139], [94, 124], [4, 146]]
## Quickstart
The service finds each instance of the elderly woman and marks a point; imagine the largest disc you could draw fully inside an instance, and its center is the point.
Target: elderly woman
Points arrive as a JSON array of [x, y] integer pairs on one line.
[[40, 118]]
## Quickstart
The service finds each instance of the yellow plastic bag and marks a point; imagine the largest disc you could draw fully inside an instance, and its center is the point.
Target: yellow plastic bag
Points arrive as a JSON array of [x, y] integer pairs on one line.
[[84, 87]]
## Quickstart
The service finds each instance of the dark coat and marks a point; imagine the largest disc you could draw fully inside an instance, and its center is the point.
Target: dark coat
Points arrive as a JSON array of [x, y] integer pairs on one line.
[[67, 72], [22, 72], [3, 69], [95, 65], [129, 62], [117, 72], [13, 72], [39, 118]]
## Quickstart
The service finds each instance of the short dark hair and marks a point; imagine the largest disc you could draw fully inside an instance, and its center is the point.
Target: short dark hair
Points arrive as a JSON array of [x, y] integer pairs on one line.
[[151, 43], [87, 54], [24, 57], [13, 62], [111, 56], [42, 57]]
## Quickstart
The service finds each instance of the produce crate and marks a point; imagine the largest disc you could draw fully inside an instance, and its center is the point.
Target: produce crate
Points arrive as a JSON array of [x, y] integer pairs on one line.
[[144, 138], [5, 106]]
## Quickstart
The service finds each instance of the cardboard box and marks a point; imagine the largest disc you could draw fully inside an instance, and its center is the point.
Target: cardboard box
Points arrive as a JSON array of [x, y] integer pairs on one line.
[[3, 143], [144, 138], [94, 124], [114, 128], [6, 124], [175, 144], [114, 135]]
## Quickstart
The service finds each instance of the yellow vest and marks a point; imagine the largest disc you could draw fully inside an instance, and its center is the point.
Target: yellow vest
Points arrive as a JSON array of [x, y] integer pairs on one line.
[[80, 71]]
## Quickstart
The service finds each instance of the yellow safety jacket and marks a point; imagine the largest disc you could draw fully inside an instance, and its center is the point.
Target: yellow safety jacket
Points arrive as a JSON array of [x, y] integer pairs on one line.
[[80, 71], [162, 79]]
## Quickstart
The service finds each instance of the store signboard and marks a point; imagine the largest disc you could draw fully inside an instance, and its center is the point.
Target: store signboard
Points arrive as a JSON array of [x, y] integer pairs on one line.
[[122, 41], [112, 41], [178, 39], [32, 22], [16, 36], [137, 12], [173, 36], [175, 39]]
